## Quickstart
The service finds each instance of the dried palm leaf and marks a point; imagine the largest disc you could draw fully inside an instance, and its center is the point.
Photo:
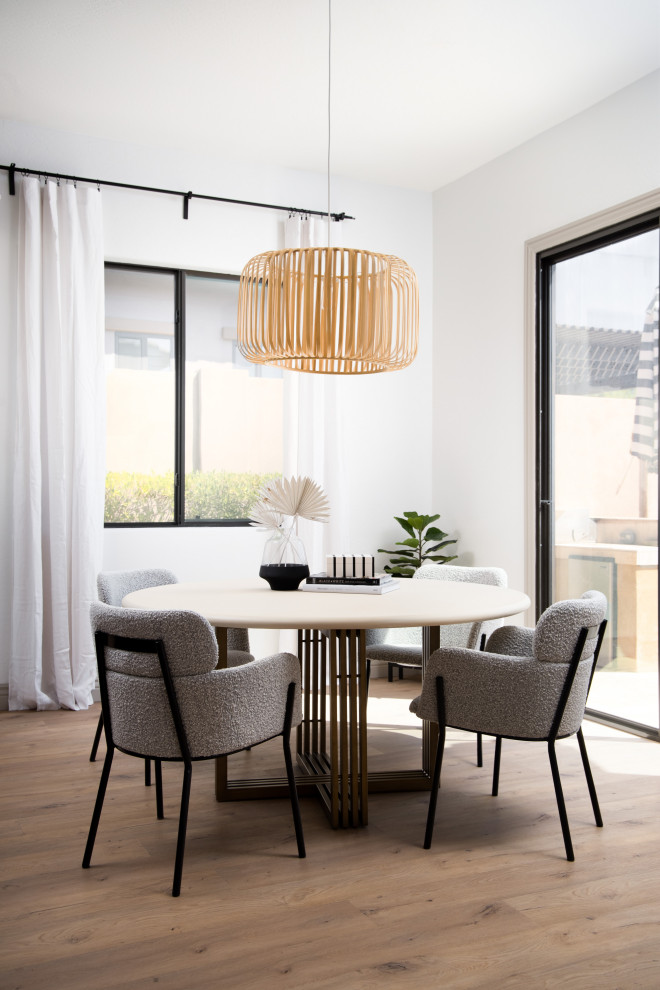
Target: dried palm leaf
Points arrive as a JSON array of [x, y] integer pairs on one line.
[[295, 497]]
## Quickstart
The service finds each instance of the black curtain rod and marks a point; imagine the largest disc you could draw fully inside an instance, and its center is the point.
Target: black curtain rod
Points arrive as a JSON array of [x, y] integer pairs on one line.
[[186, 196]]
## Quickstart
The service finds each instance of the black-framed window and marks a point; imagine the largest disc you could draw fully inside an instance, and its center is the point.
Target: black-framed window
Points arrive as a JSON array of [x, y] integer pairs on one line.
[[193, 430]]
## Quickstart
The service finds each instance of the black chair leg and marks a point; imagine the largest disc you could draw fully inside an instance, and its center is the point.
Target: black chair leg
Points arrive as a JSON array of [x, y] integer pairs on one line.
[[435, 783], [98, 807], [480, 751], [390, 668], [147, 773], [590, 779], [97, 739], [400, 673], [293, 790], [183, 824], [159, 789], [496, 766], [563, 817]]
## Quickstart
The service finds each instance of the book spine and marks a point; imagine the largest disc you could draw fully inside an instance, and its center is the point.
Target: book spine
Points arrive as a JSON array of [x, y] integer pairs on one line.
[[373, 582]]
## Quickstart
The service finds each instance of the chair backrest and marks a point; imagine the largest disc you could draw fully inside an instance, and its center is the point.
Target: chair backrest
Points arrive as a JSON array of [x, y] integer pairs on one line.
[[113, 586], [465, 634], [554, 642], [140, 714], [559, 626]]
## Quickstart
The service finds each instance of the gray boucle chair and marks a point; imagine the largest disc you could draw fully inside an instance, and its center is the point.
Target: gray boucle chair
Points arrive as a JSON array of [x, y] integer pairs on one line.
[[113, 586], [529, 684], [403, 647], [164, 699]]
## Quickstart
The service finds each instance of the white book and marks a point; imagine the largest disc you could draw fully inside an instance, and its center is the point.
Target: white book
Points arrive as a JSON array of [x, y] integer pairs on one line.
[[352, 589], [350, 566]]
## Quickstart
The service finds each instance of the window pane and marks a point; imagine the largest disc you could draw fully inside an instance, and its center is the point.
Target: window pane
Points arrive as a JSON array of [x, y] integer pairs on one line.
[[606, 481], [140, 396], [233, 411], [159, 353], [128, 350]]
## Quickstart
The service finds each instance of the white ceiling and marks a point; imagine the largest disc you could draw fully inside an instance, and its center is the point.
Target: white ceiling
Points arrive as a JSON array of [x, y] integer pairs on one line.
[[423, 91]]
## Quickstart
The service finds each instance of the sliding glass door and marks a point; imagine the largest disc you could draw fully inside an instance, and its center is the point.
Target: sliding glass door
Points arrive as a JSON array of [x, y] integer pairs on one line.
[[597, 443]]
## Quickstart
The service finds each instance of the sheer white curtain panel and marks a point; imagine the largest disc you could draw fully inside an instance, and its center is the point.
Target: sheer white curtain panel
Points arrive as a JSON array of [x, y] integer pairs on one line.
[[313, 425], [59, 445]]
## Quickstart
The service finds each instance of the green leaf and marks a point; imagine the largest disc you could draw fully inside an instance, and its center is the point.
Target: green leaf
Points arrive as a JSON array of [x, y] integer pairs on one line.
[[434, 534], [412, 542], [444, 560], [438, 546], [406, 525], [400, 571], [417, 522]]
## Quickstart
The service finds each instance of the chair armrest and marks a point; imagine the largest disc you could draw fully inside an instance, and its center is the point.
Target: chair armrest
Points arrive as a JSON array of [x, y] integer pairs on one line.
[[239, 706], [501, 695]]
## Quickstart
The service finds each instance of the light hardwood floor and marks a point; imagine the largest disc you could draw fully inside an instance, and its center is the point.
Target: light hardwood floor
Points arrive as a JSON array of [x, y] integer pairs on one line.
[[494, 904]]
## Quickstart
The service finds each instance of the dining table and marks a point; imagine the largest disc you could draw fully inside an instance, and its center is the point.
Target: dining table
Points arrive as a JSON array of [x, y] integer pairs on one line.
[[331, 741]]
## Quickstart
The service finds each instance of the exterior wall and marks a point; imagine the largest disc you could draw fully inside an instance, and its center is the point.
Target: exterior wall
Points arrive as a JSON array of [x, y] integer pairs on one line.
[[594, 469]]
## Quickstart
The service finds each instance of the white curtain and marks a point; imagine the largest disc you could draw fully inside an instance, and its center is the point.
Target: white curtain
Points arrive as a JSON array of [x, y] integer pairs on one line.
[[59, 445], [313, 426]]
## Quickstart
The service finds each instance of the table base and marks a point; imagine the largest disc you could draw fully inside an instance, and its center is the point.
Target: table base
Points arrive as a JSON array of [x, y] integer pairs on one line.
[[331, 741]]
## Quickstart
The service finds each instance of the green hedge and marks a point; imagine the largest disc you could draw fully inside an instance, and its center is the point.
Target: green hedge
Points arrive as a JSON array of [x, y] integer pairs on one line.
[[132, 497]]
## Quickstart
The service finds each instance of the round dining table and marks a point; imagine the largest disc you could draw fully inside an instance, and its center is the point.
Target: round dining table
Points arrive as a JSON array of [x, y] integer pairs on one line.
[[332, 738]]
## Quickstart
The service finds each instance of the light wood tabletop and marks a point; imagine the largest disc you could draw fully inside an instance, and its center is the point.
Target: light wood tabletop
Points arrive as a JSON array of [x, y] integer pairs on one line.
[[251, 604]]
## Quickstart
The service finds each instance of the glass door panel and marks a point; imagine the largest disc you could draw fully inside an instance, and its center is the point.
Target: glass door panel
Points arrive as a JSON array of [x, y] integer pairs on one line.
[[603, 446]]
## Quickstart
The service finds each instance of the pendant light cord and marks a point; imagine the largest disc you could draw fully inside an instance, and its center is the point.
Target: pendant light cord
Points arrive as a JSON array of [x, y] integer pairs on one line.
[[329, 103]]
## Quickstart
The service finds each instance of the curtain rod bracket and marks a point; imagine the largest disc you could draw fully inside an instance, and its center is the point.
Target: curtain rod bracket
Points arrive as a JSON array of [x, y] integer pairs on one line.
[[186, 199], [12, 184]]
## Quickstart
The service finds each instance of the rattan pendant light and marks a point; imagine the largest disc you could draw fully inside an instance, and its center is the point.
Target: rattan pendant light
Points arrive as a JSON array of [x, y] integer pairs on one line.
[[328, 310]]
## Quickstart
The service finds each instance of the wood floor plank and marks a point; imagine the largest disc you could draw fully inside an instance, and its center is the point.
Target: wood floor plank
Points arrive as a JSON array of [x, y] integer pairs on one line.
[[493, 904]]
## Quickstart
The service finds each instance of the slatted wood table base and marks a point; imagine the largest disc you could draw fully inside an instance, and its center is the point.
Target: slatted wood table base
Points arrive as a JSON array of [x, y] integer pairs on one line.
[[331, 741]]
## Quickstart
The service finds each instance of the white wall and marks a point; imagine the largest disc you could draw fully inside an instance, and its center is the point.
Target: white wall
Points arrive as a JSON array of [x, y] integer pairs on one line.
[[604, 156], [388, 439]]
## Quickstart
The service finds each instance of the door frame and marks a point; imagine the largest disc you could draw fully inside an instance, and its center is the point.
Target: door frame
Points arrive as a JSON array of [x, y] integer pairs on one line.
[[538, 480]]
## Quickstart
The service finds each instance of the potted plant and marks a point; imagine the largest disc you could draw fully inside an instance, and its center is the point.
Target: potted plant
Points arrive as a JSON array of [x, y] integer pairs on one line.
[[421, 545], [281, 503]]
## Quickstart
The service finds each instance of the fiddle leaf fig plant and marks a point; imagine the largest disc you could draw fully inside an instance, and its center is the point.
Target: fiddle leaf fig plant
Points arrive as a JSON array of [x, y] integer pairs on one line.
[[421, 545]]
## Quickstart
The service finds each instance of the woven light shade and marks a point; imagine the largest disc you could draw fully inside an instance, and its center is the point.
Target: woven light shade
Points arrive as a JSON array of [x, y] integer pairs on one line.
[[328, 310]]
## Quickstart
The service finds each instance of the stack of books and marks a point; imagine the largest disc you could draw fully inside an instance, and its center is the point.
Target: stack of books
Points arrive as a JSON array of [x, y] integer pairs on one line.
[[378, 584]]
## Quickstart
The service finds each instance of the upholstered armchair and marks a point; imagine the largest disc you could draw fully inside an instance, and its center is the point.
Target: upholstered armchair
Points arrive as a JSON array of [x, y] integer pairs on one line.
[[113, 586], [164, 699], [403, 647], [528, 684]]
